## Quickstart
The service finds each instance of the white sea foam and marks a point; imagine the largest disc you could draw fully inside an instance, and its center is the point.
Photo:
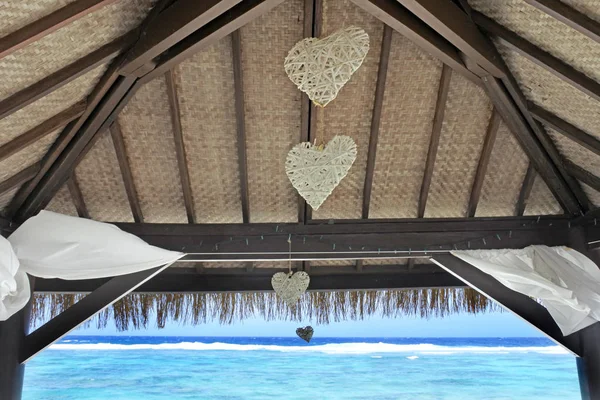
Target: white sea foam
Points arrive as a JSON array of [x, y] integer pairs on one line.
[[333, 348], [412, 357]]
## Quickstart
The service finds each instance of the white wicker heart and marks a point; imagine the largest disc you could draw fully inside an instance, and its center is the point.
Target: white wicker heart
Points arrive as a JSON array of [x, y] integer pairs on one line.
[[314, 173], [290, 287], [321, 67]]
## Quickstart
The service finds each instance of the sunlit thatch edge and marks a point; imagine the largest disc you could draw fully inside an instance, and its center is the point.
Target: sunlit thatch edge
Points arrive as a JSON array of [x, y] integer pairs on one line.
[[136, 311]]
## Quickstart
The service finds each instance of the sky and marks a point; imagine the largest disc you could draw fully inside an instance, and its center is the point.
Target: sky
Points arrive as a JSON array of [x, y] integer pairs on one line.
[[461, 325]]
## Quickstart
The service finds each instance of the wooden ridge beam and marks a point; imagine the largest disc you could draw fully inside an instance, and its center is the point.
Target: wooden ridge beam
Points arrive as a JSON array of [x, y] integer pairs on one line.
[[484, 160], [384, 57], [186, 186], [77, 197], [569, 16], [19, 178], [583, 175], [561, 126], [48, 126], [525, 190], [434, 141], [65, 75], [391, 13], [48, 24]]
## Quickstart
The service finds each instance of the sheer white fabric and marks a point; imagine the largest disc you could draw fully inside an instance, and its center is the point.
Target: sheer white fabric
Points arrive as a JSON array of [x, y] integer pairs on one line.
[[565, 281], [14, 284]]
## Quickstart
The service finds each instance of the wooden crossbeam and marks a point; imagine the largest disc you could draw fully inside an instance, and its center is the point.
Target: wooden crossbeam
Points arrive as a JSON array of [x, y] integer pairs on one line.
[[583, 175], [48, 24], [65, 75], [77, 197], [569, 16], [19, 178], [525, 191], [434, 141], [384, 57], [186, 186], [484, 160]]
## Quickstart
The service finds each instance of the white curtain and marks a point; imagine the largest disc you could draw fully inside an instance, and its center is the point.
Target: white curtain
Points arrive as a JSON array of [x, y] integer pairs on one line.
[[565, 281], [52, 245]]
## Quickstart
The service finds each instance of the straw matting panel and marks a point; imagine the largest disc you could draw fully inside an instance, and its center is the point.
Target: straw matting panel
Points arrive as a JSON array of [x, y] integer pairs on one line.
[[6, 198], [350, 113], [590, 8], [405, 129], [210, 134], [62, 203], [331, 263], [272, 111], [541, 201], [504, 177], [277, 264], [68, 44], [48, 106], [223, 265], [101, 183], [148, 134], [553, 94], [26, 157], [546, 32], [592, 194], [386, 261], [466, 119], [16, 14]]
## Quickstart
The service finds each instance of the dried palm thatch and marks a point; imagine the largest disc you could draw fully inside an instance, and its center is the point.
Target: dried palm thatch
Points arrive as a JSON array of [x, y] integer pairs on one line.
[[136, 310]]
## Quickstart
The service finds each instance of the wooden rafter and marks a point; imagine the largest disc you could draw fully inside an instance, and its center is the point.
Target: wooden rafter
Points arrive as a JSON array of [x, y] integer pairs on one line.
[[583, 175], [525, 191], [184, 174], [48, 24], [434, 141], [19, 178], [484, 159], [65, 75], [384, 57], [77, 197]]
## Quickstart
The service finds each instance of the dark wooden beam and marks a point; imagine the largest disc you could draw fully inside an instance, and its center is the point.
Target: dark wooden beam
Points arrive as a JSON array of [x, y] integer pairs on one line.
[[538, 56], [454, 25], [77, 197], [583, 175], [524, 307], [128, 181], [391, 13], [84, 309], [438, 119], [64, 75], [48, 126], [19, 178], [48, 24], [240, 119], [561, 126], [525, 190], [569, 16], [484, 160], [186, 186], [384, 57], [173, 24]]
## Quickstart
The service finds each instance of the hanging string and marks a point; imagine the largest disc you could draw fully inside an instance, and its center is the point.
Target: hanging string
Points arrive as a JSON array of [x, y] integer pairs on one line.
[[290, 251]]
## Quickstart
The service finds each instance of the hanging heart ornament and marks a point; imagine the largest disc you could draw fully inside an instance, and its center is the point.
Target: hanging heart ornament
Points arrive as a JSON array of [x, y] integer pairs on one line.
[[305, 333], [321, 67], [289, 287], [315, 171]]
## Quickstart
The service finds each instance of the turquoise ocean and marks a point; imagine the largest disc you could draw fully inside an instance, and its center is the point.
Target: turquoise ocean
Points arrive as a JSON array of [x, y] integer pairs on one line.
[[221, 368]]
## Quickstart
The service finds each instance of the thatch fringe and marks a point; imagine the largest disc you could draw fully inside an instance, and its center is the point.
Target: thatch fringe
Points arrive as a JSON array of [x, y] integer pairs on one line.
[[135, 311]]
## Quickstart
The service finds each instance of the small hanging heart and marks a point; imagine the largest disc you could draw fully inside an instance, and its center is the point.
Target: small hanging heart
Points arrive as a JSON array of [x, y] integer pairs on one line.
[[290, 287], [305, 333], [321, 67], [315, 172]]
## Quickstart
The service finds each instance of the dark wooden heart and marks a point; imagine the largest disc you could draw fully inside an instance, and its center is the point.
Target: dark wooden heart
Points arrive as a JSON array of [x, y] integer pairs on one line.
[[305, 333]]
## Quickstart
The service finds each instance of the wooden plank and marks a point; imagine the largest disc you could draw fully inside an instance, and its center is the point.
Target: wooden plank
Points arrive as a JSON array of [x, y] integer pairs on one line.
[[484, 159], [240, 119], [525, 190], [83, 310], [391, 13], [569, 16], [561, 126], [171, 26], [48, 24], [48, 126], [77, 197], [64, 75], [128, 181], [376, 117], [19, 178], [454, 25], [438, 119], [540, 57], [583, 175], [184, 174]]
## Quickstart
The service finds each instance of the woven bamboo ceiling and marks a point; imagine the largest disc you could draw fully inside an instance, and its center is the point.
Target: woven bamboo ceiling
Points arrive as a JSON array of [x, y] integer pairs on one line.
[[199, 131]]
